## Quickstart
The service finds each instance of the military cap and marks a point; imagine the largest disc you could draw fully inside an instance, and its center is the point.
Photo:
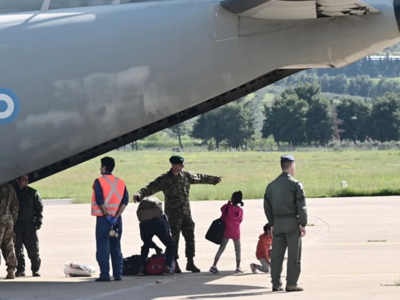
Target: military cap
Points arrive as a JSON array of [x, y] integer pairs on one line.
[[176, 160], [286, 158]]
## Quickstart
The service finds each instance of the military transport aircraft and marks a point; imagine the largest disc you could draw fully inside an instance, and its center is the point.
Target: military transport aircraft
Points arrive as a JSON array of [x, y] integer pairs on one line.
[[79, 78]]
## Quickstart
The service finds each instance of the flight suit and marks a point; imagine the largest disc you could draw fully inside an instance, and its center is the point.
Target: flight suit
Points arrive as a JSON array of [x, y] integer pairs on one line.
[[285, 209], [8, 217], [30, 218]]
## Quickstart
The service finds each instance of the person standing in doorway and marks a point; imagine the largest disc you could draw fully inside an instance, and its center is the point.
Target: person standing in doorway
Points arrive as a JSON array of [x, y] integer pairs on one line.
[[286, 211], [30, 219]]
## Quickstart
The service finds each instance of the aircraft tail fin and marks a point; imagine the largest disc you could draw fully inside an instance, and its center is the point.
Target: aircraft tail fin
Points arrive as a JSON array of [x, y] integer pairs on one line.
[[296, 10]]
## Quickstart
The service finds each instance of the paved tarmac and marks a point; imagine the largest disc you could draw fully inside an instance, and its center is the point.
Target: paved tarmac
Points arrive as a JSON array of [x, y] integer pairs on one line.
[[351, 251]]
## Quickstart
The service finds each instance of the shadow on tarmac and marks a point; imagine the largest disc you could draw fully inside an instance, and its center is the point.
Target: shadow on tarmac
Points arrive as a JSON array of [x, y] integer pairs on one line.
[[182, 286]]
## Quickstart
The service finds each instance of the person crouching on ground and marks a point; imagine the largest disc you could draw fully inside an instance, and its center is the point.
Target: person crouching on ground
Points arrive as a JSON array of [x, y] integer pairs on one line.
[[263, 251], [232, 216], [154, 222]]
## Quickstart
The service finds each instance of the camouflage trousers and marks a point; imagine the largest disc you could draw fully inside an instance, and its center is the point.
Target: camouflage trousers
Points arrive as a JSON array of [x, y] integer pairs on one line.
[[182, 223], [7, 244]]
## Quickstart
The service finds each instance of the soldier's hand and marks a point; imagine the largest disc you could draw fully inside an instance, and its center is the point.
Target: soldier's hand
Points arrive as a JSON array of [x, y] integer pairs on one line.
[[136, 198], [219, 179], [302, 231]]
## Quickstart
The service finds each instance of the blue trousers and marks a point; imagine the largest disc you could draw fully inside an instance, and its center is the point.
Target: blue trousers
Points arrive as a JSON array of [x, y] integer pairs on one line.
[[159, 228], [106, 245]]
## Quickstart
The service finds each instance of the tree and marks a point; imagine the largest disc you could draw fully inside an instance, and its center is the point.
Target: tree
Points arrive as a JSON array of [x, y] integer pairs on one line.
[[361, 86], [209, 127], [179, 130], [306, 91], [319, 124], [385, 118], [354, 116], [285, 120], [339, 84], [387, 86], [232, 123], [239, 125]]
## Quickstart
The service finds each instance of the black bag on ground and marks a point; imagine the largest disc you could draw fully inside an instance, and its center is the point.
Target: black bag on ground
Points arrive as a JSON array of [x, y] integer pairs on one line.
[[131, 265], [215, 233]]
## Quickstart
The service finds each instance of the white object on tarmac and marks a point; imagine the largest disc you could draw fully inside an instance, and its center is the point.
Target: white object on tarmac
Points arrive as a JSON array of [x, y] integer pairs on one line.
[[78, 270]]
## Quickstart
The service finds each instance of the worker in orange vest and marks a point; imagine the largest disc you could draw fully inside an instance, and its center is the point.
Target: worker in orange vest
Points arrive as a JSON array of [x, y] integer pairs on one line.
[[110, 197]]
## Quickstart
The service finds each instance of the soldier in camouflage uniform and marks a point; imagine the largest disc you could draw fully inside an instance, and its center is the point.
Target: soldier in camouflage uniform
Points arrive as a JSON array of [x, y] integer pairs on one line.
[[286, 211], [8, 216], [175, 184], [30, 218]]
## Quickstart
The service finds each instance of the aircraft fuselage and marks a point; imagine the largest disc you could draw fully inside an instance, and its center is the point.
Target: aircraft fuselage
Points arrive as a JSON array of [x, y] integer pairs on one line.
[[80, 77]]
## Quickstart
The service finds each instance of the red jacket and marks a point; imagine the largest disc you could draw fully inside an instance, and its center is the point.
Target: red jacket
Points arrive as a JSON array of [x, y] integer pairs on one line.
[[264, 247]]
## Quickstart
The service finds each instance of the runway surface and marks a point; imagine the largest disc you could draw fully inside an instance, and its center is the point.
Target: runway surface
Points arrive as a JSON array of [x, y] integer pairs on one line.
[[351, 251]]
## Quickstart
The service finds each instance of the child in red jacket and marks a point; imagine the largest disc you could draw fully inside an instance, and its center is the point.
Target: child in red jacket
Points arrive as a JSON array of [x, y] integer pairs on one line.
[[263, 251]]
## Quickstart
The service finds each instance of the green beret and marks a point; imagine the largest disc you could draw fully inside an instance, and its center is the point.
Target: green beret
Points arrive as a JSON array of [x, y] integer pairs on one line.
[[176, 160]]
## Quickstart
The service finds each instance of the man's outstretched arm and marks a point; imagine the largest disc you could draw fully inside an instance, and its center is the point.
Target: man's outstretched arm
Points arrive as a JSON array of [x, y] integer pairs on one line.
[[197, 178]]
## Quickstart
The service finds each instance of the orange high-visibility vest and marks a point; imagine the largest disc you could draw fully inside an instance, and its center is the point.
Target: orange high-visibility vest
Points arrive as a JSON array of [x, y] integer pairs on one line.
[[113, 191]]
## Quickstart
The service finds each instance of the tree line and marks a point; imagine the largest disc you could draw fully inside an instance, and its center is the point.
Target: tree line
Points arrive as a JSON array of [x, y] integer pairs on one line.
[[300, 116], [361, 85], [384, 67]]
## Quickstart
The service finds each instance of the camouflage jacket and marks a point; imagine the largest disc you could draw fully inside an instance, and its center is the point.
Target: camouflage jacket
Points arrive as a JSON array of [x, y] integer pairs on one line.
[[8, 203], [176, 189]]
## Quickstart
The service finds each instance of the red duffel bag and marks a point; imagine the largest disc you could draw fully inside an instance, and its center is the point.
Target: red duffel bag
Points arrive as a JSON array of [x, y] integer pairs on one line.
[[155, 265]]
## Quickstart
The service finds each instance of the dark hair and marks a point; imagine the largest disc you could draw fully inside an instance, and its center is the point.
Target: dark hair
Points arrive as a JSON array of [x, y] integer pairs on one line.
[[108, 163], [286, 165], [267, 227], [237, 198]]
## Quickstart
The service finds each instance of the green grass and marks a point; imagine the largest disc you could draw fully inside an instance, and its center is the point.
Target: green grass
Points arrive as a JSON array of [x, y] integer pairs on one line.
[[321, 172]]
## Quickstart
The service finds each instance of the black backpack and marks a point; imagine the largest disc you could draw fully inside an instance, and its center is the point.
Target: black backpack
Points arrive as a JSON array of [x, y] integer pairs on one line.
[[131, 265]]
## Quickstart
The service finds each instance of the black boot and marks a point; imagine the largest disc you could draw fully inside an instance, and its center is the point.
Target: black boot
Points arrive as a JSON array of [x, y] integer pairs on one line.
[[177, 269], [35, 274], [20, 274], [191, 267]]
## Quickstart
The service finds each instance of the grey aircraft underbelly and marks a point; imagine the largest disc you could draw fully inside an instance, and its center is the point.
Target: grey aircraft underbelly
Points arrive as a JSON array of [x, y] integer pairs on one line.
[[76, 82]]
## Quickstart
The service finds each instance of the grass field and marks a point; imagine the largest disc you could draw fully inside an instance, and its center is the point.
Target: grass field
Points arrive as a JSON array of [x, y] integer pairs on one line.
[[321, 172]]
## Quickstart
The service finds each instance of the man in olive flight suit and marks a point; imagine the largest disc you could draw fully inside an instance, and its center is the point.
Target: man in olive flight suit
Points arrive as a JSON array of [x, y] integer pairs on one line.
[[175, 184], [30, 218], [286, 211]]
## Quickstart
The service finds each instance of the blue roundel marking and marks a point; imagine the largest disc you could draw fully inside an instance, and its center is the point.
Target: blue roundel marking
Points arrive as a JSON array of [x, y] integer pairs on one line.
[[9, 106]]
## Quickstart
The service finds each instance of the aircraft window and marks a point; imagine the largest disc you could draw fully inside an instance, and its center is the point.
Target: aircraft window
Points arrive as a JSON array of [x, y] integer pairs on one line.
[[128, 1], [12, 6], [57, 4]]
